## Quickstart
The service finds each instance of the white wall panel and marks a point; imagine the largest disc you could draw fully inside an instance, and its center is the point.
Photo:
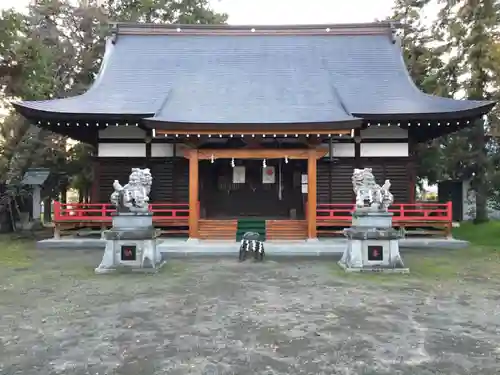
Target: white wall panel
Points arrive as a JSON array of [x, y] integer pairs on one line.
[[341, 150], [384, 150], [162, 150], [113, 150]]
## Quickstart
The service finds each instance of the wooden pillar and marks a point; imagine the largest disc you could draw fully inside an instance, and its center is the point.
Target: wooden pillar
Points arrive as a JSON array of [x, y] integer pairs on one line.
[[311, 195], [96, 181], [412, 172], [148, 141], [357, 148], [412, 182], [193, 194]]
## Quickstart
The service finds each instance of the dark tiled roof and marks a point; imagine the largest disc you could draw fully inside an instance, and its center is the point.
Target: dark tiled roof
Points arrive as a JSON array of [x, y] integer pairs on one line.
[[221, 75]]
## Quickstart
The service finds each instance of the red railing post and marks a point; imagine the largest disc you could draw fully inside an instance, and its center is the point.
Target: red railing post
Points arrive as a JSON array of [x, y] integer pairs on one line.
[[449, 211], [57, 210]]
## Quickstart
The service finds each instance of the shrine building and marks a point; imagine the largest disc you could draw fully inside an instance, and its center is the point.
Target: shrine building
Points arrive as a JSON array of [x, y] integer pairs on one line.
[[255, 124]]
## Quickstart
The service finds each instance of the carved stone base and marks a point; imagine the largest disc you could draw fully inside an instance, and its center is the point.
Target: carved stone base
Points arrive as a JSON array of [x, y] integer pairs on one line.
[[131, 246], [374, 255], [143, 256], [367, 217]]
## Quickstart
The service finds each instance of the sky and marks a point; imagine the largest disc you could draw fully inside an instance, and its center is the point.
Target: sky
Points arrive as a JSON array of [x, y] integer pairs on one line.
[[274, 12]]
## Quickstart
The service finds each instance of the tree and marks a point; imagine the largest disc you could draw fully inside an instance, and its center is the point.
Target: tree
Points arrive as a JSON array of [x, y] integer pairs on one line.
[[462, 59], [80, 170], [56, 51], [468, 30], [425, 67], [164, 11]]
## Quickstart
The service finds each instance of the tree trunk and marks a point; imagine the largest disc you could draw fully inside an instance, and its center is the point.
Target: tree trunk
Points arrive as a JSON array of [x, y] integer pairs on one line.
[[47, 210], [87, 195], [480, 179], [64, 194]]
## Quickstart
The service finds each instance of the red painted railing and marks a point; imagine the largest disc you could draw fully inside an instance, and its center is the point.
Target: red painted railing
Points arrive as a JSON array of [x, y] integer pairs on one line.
[[407, 212], [102, 211], [338, 212]]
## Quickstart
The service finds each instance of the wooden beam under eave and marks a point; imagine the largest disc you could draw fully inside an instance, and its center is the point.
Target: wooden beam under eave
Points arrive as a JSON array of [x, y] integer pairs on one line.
[[193, 143], [313, 142], [255, 132], [206, 154]]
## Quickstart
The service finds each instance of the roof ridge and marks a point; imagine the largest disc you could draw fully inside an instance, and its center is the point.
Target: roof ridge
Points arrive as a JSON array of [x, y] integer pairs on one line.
[[127, 28]]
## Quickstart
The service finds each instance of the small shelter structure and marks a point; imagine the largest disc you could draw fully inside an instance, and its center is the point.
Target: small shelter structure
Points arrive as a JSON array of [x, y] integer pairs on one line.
[[35, 178]]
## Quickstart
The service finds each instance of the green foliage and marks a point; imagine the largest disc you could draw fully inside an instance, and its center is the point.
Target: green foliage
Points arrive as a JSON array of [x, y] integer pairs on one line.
[[55, 50], [469, 30], [425, 65], [79, 168], [165, 11], [485, 234], [458, 57], [15, 253]]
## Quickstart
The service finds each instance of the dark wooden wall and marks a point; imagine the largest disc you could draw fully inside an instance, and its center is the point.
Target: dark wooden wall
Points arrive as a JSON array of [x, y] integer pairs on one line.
[[170, 180], [334, 178], [334, 181], [170, 177]]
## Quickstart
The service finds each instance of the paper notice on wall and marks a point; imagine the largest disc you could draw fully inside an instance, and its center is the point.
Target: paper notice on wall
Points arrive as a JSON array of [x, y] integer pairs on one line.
[[303, 178], [239, 174], [304, 188], [268, 175]]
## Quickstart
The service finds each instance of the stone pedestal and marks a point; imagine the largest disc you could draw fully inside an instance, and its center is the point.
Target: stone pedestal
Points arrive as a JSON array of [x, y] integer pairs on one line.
[[373, 245], [131, 245]]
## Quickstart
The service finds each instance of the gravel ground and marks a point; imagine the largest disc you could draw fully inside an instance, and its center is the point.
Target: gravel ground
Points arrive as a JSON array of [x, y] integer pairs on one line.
[[212, 316]]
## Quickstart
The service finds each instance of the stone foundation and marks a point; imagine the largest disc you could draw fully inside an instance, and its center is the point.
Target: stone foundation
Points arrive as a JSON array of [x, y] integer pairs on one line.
[[372, 244], [131, 245]]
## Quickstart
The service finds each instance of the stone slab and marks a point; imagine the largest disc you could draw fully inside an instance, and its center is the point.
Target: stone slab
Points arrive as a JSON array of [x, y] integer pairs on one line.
[[103, 271], [364, 233], [137, 234], [372, 219], [294, 248], [134, 222]]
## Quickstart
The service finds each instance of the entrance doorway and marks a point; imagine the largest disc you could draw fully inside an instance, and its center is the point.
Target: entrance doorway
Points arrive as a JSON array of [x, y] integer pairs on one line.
[[273, 192]]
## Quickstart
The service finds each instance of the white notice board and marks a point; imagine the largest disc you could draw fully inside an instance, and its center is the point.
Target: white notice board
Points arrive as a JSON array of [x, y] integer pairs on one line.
[[239, 174]]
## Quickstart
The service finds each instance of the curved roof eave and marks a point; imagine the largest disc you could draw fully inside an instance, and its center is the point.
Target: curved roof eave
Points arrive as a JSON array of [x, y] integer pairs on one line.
[[57, 109], [479, 109], [28, 110]]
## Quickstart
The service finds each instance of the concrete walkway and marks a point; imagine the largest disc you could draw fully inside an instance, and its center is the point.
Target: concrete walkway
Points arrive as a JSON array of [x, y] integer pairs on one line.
[[181, 247]]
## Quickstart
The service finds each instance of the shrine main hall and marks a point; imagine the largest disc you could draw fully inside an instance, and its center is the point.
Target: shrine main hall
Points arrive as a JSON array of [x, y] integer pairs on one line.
[[254, 127]]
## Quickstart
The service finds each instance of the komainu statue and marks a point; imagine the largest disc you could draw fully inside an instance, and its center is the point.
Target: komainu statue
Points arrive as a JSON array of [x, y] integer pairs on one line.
[[386, 197], [134, 196], [368, 192]]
